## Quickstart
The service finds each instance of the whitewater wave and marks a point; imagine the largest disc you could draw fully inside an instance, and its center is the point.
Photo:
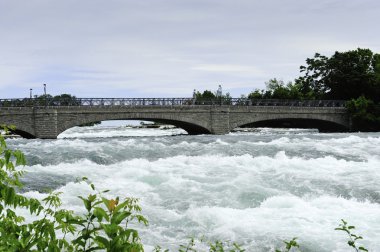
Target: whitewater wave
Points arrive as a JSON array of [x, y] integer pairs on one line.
[[360, 147], [121, 131], [253, 188]]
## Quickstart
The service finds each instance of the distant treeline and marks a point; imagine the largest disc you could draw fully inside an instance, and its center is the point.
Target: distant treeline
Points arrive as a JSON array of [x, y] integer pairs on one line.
[[353, 76], [65, 99]]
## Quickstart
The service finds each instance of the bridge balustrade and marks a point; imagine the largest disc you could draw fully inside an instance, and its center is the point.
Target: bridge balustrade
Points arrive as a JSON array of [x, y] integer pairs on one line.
[[100, 102]]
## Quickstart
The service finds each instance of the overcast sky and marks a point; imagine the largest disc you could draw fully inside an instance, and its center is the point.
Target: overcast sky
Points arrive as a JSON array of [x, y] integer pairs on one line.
[[167, 48]]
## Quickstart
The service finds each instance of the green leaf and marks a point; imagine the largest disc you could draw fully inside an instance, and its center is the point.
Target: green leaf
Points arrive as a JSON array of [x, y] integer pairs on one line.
[[7, 156], [100, 214], [102, 241], [86, 202], [9, 196], [110, 229], [91, 197], [119, 217], [363, 249], [351, 243]]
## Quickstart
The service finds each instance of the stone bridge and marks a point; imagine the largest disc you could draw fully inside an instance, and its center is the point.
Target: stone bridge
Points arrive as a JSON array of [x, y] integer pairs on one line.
[[47, 119]]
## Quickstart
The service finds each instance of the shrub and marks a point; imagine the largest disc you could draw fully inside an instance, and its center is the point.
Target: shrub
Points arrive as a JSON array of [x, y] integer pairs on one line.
[[103, 227]]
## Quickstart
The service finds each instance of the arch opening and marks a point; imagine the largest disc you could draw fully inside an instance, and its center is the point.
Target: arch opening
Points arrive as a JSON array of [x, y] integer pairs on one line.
[[22, 134], [191, 129], [321, 125]]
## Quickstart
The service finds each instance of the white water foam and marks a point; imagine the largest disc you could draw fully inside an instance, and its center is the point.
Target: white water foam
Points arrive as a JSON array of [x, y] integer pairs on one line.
[[256, 188], [121, 131], [254, 200]]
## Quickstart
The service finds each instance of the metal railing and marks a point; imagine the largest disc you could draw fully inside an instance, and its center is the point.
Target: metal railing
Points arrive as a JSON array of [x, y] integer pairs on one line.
[[54, 102]]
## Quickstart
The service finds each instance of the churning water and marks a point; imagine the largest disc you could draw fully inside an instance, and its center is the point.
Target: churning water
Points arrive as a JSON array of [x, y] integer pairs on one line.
[[255, 188]]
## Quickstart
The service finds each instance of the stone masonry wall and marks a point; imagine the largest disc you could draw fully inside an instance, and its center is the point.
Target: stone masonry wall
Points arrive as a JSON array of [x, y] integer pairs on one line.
[[51, 121]]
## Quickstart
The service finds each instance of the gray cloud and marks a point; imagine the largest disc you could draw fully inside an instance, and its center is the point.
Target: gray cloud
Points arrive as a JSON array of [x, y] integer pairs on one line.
[[169, 47]]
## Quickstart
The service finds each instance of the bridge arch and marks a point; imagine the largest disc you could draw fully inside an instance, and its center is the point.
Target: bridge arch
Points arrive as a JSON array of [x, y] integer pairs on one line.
[[23, 130], [321, 122], [192, 128], [23, 133], [321, 125]]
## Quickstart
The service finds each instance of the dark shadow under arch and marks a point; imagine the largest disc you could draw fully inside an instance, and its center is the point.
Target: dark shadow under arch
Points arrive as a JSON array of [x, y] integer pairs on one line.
[[191, 129], [22, 133], [321, 125]]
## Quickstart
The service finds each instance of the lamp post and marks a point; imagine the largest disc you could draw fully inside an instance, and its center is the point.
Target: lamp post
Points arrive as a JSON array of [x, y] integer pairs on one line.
[[45, 95], [219, 94]]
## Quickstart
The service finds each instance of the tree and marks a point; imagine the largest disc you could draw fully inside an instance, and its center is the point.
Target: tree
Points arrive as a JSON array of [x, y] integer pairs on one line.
[[365, 114], [206, 95], [276, 89], [345, 75], [256, 94]]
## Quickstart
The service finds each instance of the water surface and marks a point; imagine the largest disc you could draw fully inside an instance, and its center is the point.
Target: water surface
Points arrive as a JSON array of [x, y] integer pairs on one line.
[[256, 188]]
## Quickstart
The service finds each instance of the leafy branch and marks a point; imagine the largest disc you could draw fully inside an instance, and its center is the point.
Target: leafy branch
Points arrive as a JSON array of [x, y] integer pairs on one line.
[[353, 238]]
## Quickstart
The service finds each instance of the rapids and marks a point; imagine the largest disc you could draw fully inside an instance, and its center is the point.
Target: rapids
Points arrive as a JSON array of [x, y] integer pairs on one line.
[[256, 188]]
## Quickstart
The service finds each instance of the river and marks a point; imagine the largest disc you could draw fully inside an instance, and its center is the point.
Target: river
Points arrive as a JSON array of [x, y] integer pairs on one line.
[[256, 188]]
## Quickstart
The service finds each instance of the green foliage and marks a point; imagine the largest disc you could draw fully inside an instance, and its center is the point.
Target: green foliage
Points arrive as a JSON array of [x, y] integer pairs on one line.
[[256, 94], [62, 100], [216, 246], [226, 98], [276, 89], [206, 95], [243, 100], [353, 238], [289, 245], [365, 114], [219, 246], [279, 90], [105, 226], [188, 247], [353, 75], [66, 99], [344, 75], [15, 233]]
